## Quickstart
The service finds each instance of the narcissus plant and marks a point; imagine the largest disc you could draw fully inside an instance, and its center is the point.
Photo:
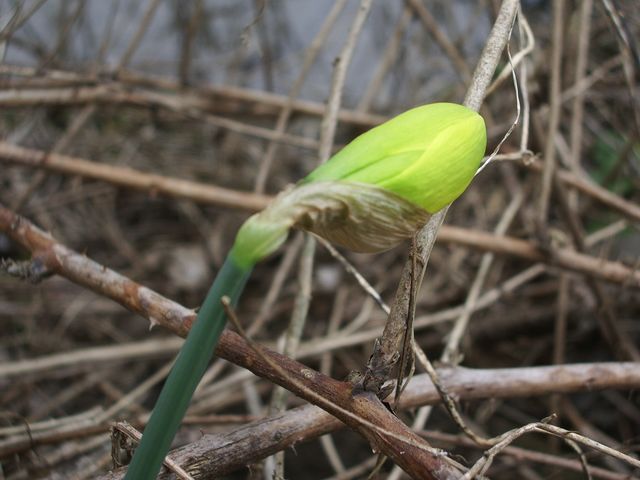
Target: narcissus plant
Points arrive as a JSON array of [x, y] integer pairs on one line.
[[375, 192]]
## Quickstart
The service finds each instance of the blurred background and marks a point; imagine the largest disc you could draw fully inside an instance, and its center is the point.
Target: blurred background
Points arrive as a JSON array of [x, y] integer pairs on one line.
[[232, 94]]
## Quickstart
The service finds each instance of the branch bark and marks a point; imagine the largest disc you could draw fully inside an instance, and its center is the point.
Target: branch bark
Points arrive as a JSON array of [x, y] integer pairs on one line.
[[465, 383], [363, 412], [220, 454]]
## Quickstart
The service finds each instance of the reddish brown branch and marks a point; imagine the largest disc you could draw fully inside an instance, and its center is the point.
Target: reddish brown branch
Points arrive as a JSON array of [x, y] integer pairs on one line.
[[200, 192], [561, 257], [393, 437], [219, 454], [464, 383], [388, 435]]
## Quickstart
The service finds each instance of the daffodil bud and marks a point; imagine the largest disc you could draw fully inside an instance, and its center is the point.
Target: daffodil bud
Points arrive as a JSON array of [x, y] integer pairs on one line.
[[380, 188], [427, 155]]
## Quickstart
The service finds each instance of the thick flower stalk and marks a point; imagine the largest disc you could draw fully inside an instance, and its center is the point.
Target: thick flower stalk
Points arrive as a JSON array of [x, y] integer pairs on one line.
[[371, 195]]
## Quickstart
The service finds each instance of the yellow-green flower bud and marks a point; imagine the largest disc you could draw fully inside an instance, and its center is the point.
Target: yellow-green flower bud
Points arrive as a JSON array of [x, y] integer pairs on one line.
[[427, 155], [380, 188]]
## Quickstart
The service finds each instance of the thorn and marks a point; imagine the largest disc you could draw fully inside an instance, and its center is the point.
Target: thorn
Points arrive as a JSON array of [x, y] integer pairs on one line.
[[152, 323]]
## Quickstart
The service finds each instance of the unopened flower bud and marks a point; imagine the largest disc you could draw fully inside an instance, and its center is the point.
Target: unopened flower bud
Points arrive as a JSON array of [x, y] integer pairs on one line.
[[427, 155], [380, 188]]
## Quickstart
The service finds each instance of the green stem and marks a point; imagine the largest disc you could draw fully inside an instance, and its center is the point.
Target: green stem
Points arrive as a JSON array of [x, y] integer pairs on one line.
[[192, 361]]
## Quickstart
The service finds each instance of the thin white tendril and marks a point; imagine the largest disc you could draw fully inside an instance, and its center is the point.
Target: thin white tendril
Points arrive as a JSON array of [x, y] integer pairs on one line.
[[515, 86]]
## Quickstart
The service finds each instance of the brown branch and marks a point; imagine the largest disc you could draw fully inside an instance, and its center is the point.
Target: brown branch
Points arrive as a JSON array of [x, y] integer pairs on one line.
[[69, 88], [78, 268], [151, 305], [219, 454], [206, 193], [361, 411], [595, 191], [231, 450], [619, 342], [561, 257], [522, 454], [200, 192], [554, 115], [386, 348], [130, 178], [190, 106], [391, 437]]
